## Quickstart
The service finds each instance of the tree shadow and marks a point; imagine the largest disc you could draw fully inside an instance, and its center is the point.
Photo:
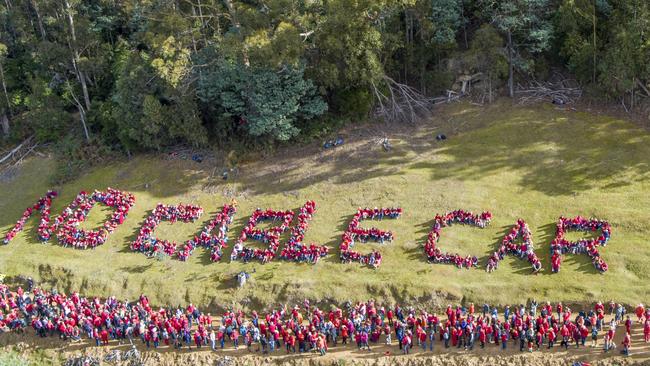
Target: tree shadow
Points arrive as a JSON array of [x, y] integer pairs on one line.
[[334, 242], [417, 253], [131, 238], [557, 157], [360, 160], [568, 260], [137, 268]]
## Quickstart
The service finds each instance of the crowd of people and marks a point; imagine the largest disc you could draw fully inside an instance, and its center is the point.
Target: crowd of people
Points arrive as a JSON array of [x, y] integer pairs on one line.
[[433, 252], [523, 250], [561, 246], [214, 235], [146, 242], [44, 206], [355, 232], [271, 236], [296, 250], [66, 226], [307, 328]]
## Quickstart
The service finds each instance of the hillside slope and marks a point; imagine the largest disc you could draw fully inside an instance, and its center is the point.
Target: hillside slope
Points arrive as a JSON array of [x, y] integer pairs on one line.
[[535, 163]]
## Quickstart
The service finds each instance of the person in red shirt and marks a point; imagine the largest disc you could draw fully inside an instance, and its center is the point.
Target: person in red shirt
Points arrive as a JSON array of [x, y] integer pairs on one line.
[[422, 336], [609, 340], [551, 338], [626, 344], [104, 336], [640, 311], [482, 337], [406, 343], [344, 334]]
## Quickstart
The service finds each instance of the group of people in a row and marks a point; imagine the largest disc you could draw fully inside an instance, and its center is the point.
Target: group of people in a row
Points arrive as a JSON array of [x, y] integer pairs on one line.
[[147, 243], [214, 235], [44, 206], [433, 252], [296, 250], [560, 245], [523, 250], [310, 329], [66, 226], [355, 232], [270, 237]]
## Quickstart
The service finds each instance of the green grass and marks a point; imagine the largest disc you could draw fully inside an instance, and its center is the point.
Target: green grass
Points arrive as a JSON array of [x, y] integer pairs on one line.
[[536, 163], [17, 357]]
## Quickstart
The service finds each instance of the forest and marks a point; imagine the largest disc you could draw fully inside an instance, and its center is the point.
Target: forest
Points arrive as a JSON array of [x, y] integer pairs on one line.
[[97, 78]]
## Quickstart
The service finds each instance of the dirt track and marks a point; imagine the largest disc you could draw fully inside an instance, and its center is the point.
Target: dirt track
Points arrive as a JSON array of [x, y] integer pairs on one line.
[[348, 355]]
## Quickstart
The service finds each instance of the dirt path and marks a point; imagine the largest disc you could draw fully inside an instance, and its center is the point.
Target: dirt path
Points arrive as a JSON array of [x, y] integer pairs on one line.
[[380, 355]]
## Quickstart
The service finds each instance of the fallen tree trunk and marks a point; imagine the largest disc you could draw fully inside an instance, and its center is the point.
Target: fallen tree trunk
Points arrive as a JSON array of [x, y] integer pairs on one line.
[[397, 102], [15, 150], [559, 93]]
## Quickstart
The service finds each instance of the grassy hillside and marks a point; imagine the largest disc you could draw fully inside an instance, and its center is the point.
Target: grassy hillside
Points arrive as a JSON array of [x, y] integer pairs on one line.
[[536, 163]]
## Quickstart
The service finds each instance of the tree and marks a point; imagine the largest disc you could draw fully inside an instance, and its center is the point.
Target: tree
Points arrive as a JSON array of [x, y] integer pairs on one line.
[[265, 102], [7, 107], [446, 17], [45, 115], [576, 24], [75, 54], [148, 113], [487, 56], [348, 45], [626, 57], [526, 25]]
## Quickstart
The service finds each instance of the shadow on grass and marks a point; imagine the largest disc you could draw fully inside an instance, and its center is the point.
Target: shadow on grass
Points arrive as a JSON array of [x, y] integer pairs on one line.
[[557, 157], [556, 153]]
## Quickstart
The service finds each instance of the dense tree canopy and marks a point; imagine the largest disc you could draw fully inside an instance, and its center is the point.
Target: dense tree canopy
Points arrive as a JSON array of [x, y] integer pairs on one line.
[[143, 75]]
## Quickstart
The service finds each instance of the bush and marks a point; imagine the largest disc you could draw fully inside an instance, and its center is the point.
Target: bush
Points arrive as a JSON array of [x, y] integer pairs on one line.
[[355, 104], [74, 155]]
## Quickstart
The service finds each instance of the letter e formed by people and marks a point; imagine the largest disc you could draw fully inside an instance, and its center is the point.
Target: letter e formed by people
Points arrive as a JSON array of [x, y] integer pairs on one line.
[[355, 233]]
